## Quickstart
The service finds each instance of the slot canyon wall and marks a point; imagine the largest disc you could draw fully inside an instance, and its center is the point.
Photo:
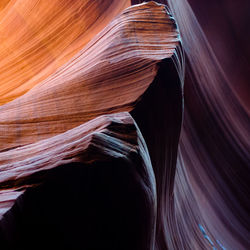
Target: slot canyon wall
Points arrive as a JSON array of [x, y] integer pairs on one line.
[[124, 124]]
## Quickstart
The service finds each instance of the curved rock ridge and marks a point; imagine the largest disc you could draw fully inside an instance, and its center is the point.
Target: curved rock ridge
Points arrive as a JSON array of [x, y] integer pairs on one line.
[[101, 139], [196, 193], [107, 76], [208, 203], [108, 141], [107, 136], [37, 37]]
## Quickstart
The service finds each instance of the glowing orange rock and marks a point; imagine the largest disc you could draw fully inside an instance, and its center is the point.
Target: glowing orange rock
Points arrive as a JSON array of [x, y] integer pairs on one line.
[[109, 75], [37, 37]]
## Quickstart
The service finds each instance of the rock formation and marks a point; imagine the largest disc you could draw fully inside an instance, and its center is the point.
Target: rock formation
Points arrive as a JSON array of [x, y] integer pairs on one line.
[[96, 178], [83, 84]]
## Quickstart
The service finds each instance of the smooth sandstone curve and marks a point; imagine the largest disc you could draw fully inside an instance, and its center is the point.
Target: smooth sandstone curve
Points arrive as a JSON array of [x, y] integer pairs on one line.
[[109, 75]]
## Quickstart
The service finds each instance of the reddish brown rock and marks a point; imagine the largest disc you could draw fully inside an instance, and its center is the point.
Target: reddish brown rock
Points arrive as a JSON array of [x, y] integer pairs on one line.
[[38, 37], [134, 64], [107, 76]]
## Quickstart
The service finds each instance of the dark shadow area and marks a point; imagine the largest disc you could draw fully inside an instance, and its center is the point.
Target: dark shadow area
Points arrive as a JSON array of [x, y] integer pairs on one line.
[[159, 117], [98, 206]]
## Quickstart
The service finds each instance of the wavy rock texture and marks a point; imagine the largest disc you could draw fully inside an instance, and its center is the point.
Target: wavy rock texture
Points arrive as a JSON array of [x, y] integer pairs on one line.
[[111, 157], [135, 64], [37, 37], [110, 74], [210, 203], [126, 51]]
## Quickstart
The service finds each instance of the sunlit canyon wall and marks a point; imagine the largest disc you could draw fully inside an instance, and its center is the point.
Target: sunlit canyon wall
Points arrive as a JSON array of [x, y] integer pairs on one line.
[[124, 125]]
